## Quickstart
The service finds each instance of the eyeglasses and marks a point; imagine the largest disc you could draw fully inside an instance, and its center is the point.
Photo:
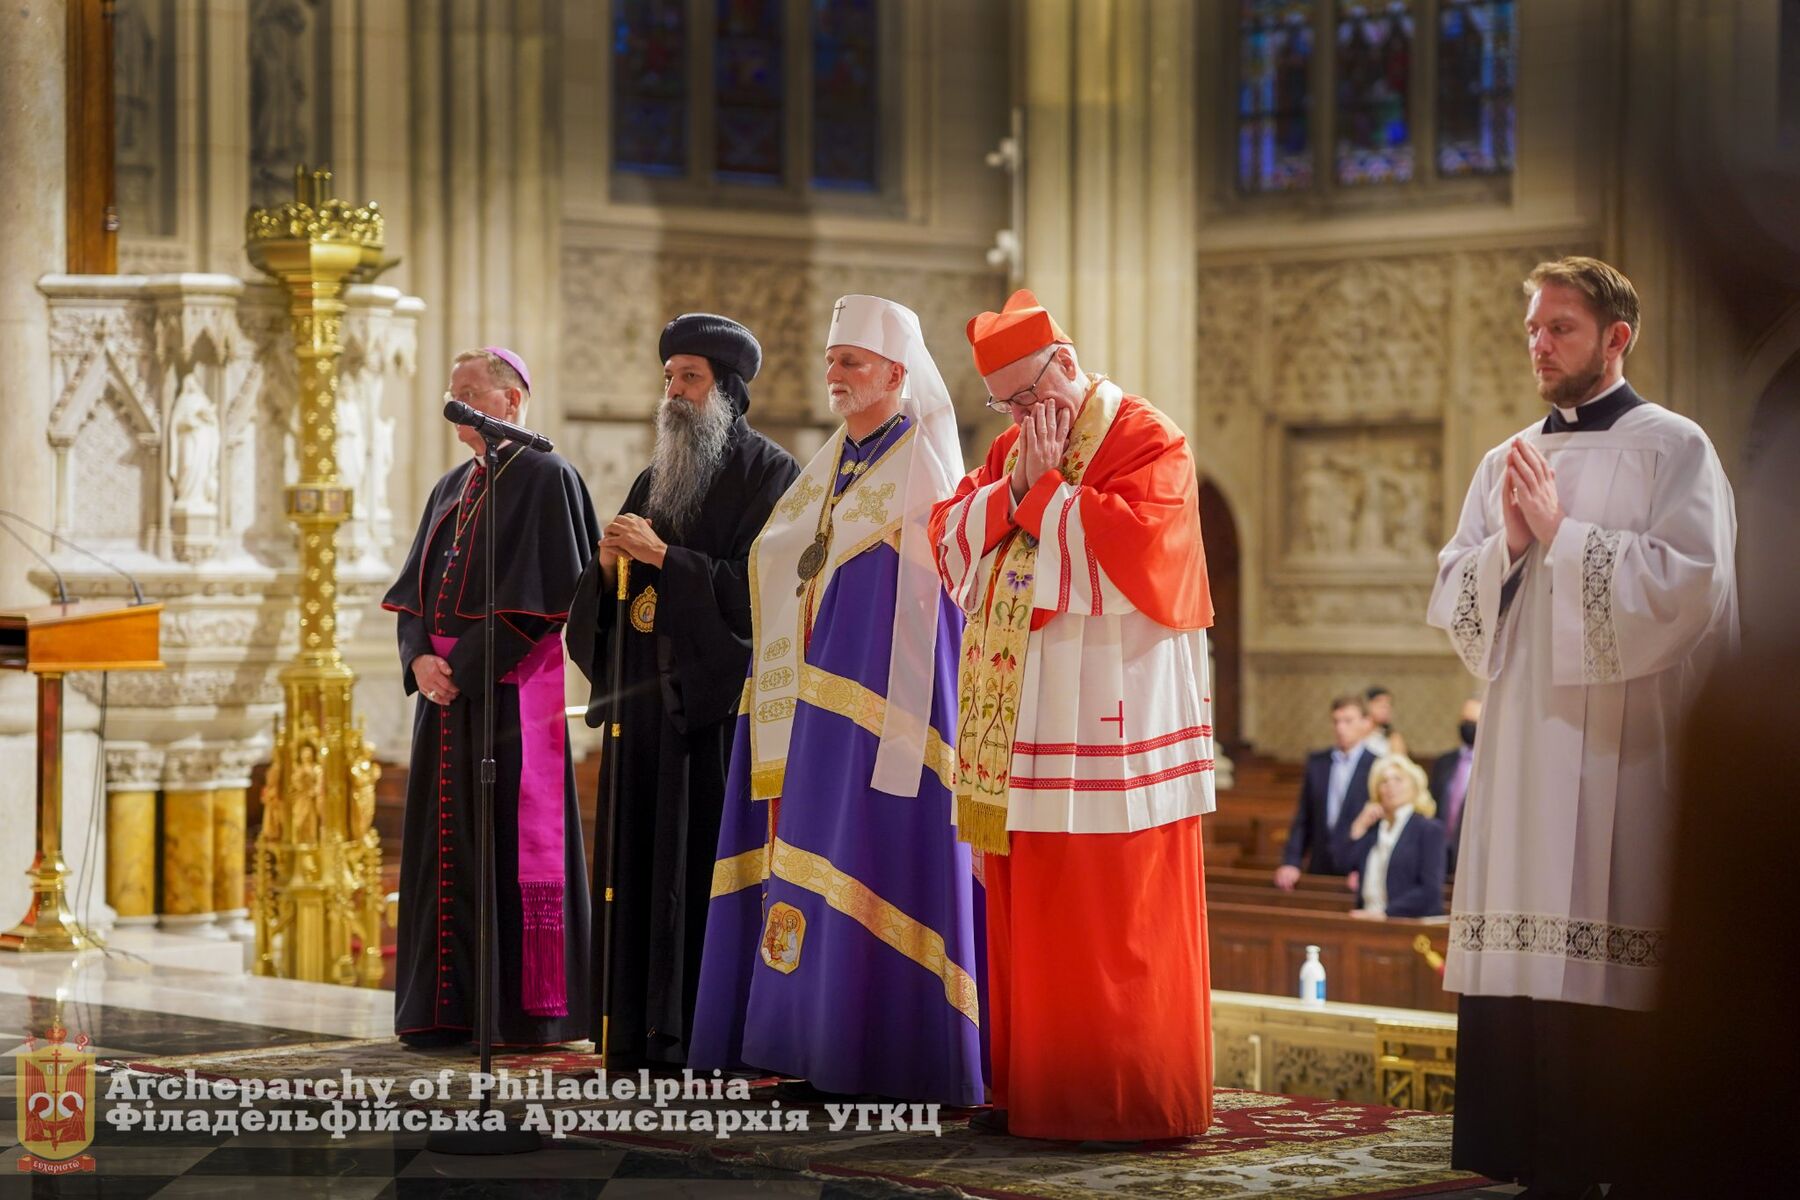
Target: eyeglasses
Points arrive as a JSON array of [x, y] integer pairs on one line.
[[1013, 401], [469, 397]]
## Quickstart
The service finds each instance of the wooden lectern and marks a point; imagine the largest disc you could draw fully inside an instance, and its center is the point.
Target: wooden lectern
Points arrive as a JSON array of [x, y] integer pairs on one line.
[[50, 641]]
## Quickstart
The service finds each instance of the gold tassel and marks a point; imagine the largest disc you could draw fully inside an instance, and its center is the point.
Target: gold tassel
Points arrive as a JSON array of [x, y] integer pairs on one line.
[[982, 825]]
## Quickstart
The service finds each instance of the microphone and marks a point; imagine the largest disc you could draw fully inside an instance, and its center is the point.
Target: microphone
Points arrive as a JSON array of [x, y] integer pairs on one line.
[[493, 428], [62, 592], [55, 537]]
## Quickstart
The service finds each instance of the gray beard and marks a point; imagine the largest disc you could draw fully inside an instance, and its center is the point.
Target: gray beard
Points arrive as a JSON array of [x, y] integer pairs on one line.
[[690, 446]]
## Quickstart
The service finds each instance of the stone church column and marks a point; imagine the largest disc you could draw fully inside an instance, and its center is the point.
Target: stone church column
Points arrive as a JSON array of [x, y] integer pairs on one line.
[[32, 245], [133, 775], [483, 209], [1108, 93]]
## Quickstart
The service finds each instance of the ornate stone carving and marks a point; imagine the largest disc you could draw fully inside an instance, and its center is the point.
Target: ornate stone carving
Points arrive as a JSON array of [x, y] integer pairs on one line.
[[1498, 385], [102, 353], [609, 455], [1362, 496], [267, 625], [1341, 605], [615, 303], [132, 767], [202, 687], [212, 765], [1286, 711], [1361, 338], [1229, 320], [111, 476], [194, 449]]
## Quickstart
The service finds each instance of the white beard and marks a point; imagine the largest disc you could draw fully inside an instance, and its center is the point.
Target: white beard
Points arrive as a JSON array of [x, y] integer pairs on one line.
[[850, 404], [690, 446]]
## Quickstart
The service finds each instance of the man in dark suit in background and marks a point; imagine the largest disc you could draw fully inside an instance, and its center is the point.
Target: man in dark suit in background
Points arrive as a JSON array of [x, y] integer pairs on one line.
[[1450, 777], [1335, 789]]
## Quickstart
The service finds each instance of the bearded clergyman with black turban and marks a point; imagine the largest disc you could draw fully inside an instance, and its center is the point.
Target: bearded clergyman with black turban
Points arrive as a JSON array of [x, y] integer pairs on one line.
[[687, 526]]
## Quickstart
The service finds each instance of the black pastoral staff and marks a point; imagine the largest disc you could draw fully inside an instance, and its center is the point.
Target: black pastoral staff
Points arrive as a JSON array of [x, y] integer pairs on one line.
[[687, 524], [545, 538]]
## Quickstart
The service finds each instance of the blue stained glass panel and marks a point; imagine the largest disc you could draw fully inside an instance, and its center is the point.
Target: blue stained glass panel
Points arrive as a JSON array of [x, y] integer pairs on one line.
[[1477, 73], [1374, 93], [749, 109], [846, 97], [1275, 64], [650, 86]]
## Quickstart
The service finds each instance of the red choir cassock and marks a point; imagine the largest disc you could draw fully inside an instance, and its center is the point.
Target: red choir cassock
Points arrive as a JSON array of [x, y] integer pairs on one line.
[[1085, 759]]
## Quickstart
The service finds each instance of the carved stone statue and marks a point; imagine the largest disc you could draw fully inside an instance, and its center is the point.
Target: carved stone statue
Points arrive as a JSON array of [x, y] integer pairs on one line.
[[1316, 500], [277, 91], [353, 445], [380, 467], [194, 449]]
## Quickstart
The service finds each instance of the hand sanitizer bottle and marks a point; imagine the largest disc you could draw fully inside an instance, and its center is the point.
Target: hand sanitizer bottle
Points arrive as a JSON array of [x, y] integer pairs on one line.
[[1312, 977]]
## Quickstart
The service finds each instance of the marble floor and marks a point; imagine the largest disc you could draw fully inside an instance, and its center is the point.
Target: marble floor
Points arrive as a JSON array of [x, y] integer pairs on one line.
[[130, 1008]]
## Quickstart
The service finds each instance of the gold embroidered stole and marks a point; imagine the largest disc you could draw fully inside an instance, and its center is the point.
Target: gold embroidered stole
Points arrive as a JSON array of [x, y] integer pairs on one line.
[[867, 513], [994, 643]]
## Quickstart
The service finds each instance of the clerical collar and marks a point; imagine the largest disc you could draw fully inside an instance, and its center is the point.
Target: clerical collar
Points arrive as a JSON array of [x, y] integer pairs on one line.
[[1592, 416], [879, 432], [505, 452]]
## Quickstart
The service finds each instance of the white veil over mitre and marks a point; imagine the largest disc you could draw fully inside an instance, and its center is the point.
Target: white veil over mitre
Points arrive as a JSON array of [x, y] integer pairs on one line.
[[892, 331]]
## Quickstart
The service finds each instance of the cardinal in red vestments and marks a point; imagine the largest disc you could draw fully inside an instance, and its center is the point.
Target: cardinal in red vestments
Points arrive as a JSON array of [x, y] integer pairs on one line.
[[1084, 743]]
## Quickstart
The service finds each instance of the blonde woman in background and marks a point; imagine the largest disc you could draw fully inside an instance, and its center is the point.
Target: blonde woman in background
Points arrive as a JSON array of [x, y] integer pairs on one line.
[[1397, 845]]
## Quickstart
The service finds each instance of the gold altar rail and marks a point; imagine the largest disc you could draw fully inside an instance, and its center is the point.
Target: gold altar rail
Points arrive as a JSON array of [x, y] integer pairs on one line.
[[1362, 1053]]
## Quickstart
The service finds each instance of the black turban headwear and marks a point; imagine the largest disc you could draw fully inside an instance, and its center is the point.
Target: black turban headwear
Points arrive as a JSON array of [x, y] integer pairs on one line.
[[732, 351]]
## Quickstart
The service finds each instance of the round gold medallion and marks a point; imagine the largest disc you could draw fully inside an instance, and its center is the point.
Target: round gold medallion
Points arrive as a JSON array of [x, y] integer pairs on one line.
[[812, 559], [643, 611]]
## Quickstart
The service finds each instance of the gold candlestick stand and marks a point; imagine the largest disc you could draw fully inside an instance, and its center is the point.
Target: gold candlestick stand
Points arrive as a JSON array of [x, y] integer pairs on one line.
[[318, 900]]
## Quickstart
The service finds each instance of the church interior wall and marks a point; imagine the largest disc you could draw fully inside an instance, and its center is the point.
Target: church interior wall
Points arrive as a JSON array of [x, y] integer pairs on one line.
[[1354, 359], [629, 260], [1339, 365]]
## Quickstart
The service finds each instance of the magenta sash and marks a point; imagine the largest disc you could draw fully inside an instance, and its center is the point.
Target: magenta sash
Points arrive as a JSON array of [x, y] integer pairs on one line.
[[542, 731]]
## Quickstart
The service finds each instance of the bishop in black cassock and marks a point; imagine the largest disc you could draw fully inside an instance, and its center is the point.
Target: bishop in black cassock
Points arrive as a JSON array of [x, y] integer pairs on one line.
[[545, 536], [687, 523]]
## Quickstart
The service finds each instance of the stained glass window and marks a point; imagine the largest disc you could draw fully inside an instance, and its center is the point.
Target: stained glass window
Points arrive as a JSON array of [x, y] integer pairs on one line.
[[846, 104], [1476, 72], [650, 106], [1374, 90], [1275, 56], [748, 97]]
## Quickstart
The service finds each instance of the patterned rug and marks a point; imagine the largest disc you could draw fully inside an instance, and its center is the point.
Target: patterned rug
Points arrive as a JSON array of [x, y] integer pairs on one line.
[[1259, 1145]]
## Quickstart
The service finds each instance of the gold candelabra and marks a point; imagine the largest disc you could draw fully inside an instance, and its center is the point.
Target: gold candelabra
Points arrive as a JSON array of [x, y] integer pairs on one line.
[[318, 900]]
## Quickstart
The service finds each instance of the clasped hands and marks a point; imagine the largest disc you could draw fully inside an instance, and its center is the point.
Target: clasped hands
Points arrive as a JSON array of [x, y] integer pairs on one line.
[[432, 674], [1528, 499], [631, 536], [1043, 437]]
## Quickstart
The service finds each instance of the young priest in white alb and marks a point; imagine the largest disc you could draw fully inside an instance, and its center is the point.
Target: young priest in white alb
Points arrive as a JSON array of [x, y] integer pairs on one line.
[[1590, 583]]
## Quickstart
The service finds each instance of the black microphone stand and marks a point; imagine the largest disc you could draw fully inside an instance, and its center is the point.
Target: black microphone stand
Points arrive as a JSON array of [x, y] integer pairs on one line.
[[486, 1141]]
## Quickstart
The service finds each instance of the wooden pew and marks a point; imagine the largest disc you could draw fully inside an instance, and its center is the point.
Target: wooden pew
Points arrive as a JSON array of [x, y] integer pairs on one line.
[[1259, 948]]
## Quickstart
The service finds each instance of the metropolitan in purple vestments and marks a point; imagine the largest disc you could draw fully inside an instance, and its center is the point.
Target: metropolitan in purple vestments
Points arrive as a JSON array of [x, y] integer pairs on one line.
[[842, 939]]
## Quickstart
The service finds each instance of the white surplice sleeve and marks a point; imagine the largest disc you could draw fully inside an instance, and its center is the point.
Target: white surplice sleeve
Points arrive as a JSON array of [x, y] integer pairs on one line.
[[1631, 603], [1475, 579]]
